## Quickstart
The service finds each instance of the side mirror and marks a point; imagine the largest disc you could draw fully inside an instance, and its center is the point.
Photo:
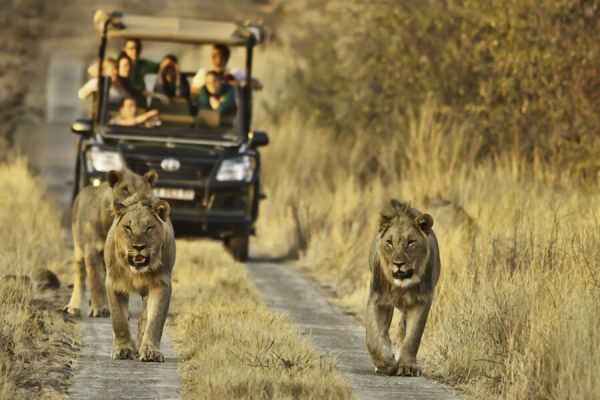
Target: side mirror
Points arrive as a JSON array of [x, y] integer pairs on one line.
[[258, 138], [82, 127]]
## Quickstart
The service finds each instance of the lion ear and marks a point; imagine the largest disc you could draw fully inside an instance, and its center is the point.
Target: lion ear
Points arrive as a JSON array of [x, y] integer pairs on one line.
[[162, 209], [114, 177], [389, 212], [424, 222], [151, 177]]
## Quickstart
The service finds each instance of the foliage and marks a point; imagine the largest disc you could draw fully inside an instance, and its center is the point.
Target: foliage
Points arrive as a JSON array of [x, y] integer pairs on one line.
[[525, 74]]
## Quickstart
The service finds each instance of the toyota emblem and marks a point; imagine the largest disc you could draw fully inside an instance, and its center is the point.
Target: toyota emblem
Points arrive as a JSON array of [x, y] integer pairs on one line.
[[170, 164]]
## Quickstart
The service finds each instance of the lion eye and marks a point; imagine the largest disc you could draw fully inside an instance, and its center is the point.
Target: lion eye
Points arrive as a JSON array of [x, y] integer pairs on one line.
[[126, 191], [127, 228], [411, 243], [390, 243], [149, 229]]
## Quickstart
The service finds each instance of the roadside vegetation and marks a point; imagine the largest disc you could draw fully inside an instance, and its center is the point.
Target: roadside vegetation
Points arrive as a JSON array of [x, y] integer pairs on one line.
[[36, 344], [462, 112], [229, 345]]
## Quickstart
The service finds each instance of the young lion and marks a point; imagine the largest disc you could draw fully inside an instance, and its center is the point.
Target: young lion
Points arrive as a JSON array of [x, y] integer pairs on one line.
[[92, 215], [139, 256], [405, 267]]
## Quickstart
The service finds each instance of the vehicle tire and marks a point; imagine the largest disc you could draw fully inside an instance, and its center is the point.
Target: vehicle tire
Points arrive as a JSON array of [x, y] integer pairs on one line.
[[238, 245]]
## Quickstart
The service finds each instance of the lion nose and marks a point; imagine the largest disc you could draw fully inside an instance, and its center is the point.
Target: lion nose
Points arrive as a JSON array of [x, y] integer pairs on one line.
[[400, 264], [139, 247]]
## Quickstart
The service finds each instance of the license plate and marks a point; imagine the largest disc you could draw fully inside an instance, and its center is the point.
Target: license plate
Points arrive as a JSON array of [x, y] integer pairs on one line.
[[176, 194]]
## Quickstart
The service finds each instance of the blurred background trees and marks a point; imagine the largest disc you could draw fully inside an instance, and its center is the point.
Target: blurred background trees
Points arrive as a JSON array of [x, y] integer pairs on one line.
[[524, 74]]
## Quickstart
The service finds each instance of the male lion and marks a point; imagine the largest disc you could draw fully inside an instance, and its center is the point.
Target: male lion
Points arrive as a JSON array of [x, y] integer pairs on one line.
[[92, 215], [405, 267], [139, 256]]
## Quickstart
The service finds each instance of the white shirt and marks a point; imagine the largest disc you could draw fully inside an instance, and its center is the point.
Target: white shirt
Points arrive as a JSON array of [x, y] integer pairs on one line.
[[198, 80], [91, 86]]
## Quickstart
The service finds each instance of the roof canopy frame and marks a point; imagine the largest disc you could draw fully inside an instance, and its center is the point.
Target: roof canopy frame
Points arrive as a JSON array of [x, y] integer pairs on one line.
[[177, 30]]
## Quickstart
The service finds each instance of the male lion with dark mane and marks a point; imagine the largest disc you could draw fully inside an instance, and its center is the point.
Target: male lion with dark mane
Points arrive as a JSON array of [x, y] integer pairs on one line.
[[92, 215], [139, 256], [405, 267]]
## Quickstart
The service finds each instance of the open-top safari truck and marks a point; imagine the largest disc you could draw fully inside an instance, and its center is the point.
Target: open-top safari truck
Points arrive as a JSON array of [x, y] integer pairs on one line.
[[208, 164]]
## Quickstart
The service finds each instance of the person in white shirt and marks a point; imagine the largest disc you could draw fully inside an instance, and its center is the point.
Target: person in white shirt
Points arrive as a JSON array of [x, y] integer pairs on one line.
[[220, 56]]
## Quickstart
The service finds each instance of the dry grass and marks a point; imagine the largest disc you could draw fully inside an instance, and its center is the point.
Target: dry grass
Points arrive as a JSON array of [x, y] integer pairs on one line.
[[33, 355], [515, 315], [229, 345]]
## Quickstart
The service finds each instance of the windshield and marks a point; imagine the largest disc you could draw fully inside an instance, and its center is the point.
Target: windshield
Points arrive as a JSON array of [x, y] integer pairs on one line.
[[176, 90]]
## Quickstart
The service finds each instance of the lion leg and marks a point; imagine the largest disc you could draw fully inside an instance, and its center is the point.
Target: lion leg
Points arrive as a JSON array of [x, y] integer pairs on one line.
[[157, 309], [123, 346], [415, 325], [400, 333], [74, 306], [143, 319], [96, 275], [379, 344]]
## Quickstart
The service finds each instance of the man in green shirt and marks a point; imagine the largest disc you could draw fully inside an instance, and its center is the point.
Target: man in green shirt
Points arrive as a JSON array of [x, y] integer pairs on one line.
[[217, 95], [141, 67]]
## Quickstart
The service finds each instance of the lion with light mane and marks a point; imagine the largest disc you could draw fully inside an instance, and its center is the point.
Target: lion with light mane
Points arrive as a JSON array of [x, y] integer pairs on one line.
[[92, 215], [405, 267], [139, 256]]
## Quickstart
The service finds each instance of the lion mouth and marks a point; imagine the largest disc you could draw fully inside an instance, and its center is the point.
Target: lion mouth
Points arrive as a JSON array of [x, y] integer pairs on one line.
[[138, 261], [403, 274]]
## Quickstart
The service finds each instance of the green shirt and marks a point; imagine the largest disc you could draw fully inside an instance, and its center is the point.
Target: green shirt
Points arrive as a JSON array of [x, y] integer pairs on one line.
[[227, 106], [142, 68]]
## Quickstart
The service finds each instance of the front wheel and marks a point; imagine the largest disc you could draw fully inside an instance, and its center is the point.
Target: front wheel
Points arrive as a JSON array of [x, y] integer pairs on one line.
[[238, 245]]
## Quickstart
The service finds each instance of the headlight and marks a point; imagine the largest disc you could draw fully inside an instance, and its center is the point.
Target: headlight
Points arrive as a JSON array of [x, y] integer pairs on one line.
[[236, 169], [103, 160]]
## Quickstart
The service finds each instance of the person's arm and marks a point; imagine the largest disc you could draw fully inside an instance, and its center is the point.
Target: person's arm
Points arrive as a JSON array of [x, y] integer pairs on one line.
[[228, 103], [203, 100], [184, 87], [88, 88]]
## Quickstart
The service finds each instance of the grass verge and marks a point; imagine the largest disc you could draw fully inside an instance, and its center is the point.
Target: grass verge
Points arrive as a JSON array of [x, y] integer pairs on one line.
[[515, 315], [229, 345], [36, 343]]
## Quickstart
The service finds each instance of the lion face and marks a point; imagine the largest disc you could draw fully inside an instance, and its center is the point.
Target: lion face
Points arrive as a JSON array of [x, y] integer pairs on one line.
[[140, 235], [125, 183], [404, 248]]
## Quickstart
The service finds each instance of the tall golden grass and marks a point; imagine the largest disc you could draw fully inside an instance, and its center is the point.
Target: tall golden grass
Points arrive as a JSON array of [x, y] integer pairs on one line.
[[515, 314], [31, 337], [229, 345]]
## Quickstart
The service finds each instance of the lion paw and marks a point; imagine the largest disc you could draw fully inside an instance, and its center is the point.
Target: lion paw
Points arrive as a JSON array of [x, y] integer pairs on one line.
[[151, 353], [408, 370], [72, 311], [99, 312], [126, 352]]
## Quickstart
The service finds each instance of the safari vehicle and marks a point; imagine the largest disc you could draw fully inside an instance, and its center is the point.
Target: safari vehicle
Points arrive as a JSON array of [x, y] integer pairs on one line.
[[208, 164]]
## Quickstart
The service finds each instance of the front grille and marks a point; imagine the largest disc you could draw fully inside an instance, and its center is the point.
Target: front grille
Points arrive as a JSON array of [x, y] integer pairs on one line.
[[190, 169]]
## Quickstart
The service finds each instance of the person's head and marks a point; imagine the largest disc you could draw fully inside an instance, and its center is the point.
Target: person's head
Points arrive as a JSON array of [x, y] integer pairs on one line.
[[128, 107], [110, 69], [220, 56], [171, 58], [133, 48], [213, 81], [169, 74], [124, 65]]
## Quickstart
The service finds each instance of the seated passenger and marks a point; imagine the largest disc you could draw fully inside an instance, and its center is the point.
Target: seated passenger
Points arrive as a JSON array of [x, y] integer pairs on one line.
[[217, 95], [127, 115], [118, 89], [169, 81], [220, 57], [140, 67], [125, 68]]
